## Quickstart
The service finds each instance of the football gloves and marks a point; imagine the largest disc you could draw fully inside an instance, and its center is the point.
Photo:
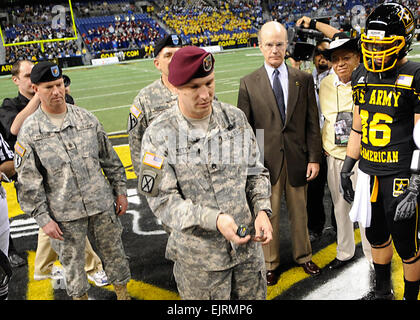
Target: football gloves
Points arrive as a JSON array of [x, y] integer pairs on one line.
[[346, 186]]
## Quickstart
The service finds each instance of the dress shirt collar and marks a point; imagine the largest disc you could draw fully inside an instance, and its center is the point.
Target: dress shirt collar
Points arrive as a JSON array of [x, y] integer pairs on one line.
[[270, 70], [338, 82], [322, 75]]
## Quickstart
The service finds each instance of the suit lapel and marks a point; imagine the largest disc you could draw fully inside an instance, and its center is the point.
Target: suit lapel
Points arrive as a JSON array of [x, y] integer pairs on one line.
[[264, 86], [293, 93]]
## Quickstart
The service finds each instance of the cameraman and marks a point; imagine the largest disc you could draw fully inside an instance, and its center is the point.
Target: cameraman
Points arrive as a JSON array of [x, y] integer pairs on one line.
[[316, 187], [335, 98], [312, 24]]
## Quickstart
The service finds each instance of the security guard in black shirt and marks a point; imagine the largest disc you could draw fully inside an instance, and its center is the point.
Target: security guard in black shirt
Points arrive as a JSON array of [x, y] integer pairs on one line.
[[9, 109]]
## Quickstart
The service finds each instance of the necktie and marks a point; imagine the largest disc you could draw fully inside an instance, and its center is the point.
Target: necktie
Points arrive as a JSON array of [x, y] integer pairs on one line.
[[278, 92]]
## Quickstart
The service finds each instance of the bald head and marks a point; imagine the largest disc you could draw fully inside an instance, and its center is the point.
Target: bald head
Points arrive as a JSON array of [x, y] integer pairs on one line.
[[271, 27], [272, 39]]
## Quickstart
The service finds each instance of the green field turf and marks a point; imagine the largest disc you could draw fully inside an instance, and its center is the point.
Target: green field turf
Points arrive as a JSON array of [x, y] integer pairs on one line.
[[108, 91]]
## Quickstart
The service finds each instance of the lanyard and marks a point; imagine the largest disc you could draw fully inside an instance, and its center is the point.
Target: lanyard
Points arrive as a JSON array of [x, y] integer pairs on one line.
[[338, 101]]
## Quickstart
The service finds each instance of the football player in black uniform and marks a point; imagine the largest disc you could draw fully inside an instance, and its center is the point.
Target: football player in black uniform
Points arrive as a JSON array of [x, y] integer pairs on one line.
[[386, 92]]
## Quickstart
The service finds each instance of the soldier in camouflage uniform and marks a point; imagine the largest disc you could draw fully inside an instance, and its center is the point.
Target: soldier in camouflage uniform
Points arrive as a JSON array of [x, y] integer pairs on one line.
[[202, 176], [153, 99], [60, 154]]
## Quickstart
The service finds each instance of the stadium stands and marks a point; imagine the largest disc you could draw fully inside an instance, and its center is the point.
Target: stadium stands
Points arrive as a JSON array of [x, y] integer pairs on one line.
[[201, 24], [118, 32]]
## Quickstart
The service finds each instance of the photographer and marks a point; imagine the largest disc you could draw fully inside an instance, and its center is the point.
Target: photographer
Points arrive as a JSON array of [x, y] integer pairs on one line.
[[312, 24], [335, 101], [316, 187]]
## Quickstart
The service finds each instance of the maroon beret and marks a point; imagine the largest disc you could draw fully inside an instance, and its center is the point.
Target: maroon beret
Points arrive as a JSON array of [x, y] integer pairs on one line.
[[189, 63]]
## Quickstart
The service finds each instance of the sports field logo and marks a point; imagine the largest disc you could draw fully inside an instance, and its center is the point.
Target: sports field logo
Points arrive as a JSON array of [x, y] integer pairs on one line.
[[399, 186], [61, 15]]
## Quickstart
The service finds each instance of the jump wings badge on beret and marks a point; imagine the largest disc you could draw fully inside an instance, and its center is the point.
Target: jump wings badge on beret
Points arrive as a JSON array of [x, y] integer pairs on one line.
[[208, 63], [150, 174]]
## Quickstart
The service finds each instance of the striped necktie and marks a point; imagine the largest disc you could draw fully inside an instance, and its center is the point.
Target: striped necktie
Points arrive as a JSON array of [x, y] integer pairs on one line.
[[278, 92]]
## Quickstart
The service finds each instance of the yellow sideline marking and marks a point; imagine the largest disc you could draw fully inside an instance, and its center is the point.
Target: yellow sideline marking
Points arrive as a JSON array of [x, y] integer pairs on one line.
[[117, 136], [125, 157], [12, 204], [294, 275], [43, 290], [397, 276], [144, 291], [37, 290]]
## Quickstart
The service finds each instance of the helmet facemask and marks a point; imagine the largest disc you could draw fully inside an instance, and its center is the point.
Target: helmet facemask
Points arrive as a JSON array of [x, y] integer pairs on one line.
[[380, 53]]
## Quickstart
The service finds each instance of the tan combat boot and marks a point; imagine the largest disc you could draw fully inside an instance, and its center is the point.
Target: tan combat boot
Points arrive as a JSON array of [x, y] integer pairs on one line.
[[121, 291]]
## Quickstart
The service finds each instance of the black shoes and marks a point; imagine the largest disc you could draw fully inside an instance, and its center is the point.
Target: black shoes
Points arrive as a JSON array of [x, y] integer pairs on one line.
[[337, 264], [16, 260]]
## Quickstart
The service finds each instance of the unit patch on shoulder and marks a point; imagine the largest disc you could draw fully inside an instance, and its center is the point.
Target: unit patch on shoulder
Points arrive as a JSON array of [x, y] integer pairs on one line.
[[150, 174], [147, 181]]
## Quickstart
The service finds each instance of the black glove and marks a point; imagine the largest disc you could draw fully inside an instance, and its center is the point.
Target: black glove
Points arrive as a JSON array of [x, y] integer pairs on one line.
[[407, 202], [346, 186]]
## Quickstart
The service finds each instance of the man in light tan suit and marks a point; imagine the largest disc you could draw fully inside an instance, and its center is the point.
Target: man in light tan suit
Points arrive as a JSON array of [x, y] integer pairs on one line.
[[283, 104]]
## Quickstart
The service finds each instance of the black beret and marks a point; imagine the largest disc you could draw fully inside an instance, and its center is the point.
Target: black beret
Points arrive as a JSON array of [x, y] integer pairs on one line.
[[188, 63], [170, 40], [67, 80], [45, 71]]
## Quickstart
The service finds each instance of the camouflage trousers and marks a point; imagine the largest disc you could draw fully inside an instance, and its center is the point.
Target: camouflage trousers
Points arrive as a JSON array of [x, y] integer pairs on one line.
[[106, 230], [242, 282]]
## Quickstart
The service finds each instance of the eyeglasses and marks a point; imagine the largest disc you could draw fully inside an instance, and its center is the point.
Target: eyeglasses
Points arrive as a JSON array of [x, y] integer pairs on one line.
[[278, 45]]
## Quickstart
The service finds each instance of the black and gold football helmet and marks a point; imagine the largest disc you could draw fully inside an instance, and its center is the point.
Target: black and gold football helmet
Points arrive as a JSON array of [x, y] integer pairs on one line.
[[388, 36]]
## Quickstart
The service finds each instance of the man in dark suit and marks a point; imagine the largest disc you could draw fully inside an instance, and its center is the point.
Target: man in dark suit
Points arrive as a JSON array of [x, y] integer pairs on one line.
[[281, 101]]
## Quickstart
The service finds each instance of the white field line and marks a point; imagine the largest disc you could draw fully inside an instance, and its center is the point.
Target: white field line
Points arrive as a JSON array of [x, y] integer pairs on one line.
[[352, 283]]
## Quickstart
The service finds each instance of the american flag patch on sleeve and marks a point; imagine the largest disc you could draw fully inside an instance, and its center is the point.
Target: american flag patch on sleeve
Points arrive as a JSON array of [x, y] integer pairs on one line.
[[405, 80], [19, 149], [135, 111], [153, 160]]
